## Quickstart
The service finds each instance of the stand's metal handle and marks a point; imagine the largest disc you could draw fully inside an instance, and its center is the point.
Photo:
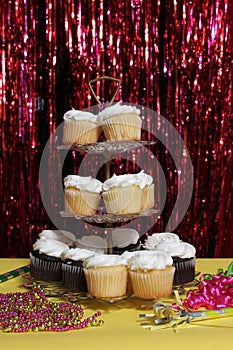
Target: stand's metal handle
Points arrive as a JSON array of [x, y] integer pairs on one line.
[[104, 77]]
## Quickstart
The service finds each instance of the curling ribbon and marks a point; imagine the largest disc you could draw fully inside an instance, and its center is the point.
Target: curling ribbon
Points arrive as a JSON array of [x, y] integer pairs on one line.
[[214, 292]]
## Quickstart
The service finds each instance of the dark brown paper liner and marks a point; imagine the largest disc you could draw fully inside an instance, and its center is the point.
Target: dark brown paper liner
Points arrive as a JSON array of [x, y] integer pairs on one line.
[[73, 277], [45, 270], [185, 270]]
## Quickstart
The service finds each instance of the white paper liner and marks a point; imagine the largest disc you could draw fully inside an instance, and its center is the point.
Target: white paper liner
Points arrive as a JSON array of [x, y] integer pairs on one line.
[[123, 200], [80, 132], [106, 282], [125, 126], [148, 197], [81, 202], [152, 284]]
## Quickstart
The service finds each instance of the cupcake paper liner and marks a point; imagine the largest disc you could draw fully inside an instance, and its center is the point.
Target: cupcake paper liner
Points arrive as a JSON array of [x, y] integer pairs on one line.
[[123, 200], [153, 284], [106, 282], [148, 197], [81, 202], [73, 277], [125, 126], [80, 132], [45, 270], [185, 270]]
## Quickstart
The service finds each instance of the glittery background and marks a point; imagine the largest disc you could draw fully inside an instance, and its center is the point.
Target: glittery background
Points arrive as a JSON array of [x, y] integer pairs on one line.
[[172, 56]]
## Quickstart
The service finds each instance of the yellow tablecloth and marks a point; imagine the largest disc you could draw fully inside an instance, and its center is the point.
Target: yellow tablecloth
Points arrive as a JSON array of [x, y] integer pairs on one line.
[[121, 328]]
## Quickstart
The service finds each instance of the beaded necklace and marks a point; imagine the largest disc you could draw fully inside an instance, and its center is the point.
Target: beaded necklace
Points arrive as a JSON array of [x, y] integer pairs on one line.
[[32, 311]]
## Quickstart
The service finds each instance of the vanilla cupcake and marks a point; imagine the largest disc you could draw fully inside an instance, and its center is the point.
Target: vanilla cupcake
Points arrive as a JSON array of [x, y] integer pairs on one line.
[[80, 127], [151, 274], [45, 259], [72, 269], [82, 194], [128, 255], [125, 239], [147, 186], [122, 194], [60, 236], [106, 276], [93, 243], [120, 122], [182, 253]]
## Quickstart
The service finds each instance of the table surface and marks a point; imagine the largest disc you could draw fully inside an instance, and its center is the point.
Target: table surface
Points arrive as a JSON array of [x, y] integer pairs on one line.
[[121, 324]]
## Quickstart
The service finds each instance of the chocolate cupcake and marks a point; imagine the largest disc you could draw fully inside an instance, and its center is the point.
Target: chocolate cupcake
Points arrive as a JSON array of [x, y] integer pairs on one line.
[[183, 254], [125, 239], [72, 269], [60, 236], [93, 243], [45, 259]]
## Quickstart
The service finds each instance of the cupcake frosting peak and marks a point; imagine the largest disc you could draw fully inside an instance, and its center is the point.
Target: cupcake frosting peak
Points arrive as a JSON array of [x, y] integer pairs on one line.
[[122, 237], [144, 178], [50, 247], [140, 179], [116, 109], [104, 260], [58, 235], [79, 115], [85, 183], [76, 254], [171, 244], [150, 260]]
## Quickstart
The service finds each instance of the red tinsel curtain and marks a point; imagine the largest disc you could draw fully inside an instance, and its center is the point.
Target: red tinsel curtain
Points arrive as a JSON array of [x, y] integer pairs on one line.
[[174, 57]]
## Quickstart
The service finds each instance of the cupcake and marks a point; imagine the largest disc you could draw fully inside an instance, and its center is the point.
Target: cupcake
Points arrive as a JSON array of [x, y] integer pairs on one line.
[[93, 243], [72, 269], [147, 186], [124, 239], [106, 276], [120, 122], [80, 127], [82, 194], [151, 274], [122, 194], [45, 259], [60, 236], [182, 253], [128, 255]]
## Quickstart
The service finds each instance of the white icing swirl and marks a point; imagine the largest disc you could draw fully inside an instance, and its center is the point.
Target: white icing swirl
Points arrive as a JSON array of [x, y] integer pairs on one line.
[[50, 247], [128, 255], [60, 236], [115, 109], [171, 244], [122, 237], [83, 183], [76, 254], [96, 261], [121, 181], [79, 115], [144, 178], [150, 260], [140, 179], [94, 243]]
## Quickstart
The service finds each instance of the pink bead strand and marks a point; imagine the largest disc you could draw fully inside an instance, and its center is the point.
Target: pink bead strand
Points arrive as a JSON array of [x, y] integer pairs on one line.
[[32, 311]]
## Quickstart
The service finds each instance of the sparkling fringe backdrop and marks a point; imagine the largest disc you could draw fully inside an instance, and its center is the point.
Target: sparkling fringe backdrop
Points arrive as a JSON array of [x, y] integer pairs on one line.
[[174, 57]]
